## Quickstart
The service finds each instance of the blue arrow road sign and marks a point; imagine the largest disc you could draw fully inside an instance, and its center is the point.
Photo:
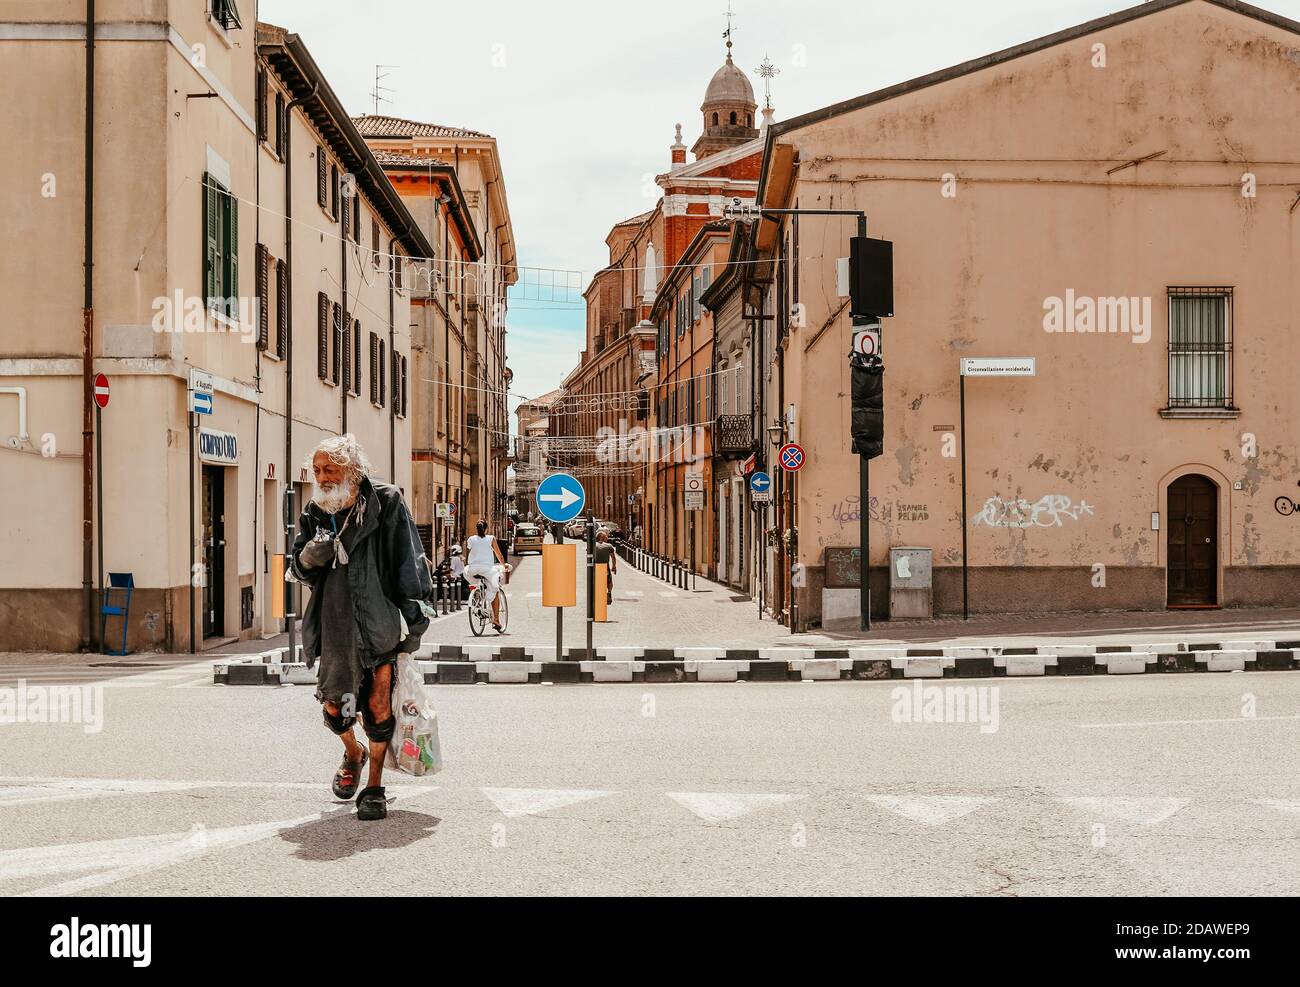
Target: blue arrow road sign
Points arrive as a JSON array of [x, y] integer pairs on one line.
[[200, 403], [560, 497], [760, 482]]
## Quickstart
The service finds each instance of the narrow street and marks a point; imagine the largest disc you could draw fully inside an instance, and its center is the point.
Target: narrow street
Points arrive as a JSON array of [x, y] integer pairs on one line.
[[1094, 786]]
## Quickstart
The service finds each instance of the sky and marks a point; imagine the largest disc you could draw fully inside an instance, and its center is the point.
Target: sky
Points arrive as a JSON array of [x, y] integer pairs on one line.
[[582, 96]]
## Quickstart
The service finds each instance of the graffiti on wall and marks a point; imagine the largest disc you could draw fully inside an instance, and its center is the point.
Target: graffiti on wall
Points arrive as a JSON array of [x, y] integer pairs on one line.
[[847, 512], [1049, 511]]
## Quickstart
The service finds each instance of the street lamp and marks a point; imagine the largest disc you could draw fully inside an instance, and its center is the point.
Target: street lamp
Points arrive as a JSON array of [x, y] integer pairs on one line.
[[776, 433]]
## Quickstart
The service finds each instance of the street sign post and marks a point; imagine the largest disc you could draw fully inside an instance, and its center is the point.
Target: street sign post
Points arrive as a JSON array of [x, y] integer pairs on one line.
[[760, 488], [980, 366], [560, 498], [200, 392], [101, 402], [695, 500]]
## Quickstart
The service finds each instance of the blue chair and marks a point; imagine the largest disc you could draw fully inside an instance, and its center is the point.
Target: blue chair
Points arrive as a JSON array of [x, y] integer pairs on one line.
[[124, 583]]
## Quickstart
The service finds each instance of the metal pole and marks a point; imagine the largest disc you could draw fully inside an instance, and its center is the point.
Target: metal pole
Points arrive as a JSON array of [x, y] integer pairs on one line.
[[864, 505], [193, 645], [99, 518], [965, 587], [559, 633], [290, 614], [591, 576]]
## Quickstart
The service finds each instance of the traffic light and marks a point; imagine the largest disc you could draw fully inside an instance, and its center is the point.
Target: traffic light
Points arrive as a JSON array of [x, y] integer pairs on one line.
[[871, 277], [867, 422]]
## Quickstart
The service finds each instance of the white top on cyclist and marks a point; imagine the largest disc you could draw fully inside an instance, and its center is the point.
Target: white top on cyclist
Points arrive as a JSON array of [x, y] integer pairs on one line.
[[480, 550]]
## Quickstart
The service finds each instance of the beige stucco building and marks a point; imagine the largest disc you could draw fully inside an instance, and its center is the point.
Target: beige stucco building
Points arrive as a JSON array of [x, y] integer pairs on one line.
[[1117, 202], [451, 180], [242, 228]]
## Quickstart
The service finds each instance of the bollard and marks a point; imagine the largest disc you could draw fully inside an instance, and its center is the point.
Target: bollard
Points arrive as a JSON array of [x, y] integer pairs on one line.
[[456, 594], [441, 599]]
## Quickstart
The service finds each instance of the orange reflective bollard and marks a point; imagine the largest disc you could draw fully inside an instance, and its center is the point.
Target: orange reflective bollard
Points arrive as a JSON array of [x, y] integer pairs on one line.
[[560, 575]]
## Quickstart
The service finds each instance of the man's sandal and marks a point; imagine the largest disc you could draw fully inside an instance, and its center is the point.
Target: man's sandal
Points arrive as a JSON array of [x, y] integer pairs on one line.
[[348, 776], [371, 804]]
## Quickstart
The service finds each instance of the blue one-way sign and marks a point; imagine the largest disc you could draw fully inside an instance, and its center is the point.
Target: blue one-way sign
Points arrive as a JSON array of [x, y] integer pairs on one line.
[[560, 497], [760, 482]]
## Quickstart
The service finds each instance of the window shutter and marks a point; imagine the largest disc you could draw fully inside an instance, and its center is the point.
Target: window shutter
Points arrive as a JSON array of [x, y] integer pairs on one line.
[[281, 309], [374, 242], [231, 287], [345, 348], [211, 250], [383, 374], [336, 341], [347, 206], [397, 374], [261, 104], [397, 272], [279, 123], [356, 357], [334, 191], [322, 336], [356, 222], [374, 369], [322, 179], [263, 262], [403, 387]]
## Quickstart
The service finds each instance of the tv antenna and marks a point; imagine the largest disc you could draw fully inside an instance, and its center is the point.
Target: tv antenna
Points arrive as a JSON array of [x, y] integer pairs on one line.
[[377, 94]]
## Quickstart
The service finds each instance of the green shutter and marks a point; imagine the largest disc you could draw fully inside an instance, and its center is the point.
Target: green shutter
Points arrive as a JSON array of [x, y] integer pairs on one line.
[[211, 252], [232, 256]]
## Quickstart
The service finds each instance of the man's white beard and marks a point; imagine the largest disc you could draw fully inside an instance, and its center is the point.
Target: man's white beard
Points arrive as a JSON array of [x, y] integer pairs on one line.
[[333, 497]]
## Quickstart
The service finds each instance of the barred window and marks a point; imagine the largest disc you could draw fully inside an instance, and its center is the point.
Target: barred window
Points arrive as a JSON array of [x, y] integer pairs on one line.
[[1200, 347]]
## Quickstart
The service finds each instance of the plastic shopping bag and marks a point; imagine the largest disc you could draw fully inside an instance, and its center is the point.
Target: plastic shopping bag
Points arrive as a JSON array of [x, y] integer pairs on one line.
[[415, 748]]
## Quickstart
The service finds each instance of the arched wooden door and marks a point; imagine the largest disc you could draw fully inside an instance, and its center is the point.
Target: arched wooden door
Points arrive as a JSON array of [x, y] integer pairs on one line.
[[1193, 541]]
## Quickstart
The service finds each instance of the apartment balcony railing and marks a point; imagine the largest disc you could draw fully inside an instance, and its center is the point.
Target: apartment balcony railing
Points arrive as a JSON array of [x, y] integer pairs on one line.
[[733, 435]]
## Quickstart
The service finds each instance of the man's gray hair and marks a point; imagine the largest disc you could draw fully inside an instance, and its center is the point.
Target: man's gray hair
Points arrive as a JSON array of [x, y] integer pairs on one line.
[[345, 451]]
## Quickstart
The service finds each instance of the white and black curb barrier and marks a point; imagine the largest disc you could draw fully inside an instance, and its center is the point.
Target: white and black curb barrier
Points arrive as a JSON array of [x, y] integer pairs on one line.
[[452, 664]]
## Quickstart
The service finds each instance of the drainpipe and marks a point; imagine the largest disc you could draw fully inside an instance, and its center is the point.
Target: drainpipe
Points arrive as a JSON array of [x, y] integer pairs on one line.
[[88, 343], [290, 589]]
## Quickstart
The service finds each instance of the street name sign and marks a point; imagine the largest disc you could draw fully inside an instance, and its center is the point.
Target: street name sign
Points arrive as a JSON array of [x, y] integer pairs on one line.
[[998, 366]]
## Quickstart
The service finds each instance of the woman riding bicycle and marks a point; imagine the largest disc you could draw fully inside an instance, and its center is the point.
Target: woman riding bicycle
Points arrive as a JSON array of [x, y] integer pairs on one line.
[[484, 553]]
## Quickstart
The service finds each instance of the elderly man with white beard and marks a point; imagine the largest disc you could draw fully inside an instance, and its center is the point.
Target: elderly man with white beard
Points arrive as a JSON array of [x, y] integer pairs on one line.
[[359, 551]]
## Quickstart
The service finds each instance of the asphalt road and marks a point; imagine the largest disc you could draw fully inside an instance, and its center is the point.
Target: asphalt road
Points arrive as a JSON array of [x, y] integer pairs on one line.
[[1100, 785]]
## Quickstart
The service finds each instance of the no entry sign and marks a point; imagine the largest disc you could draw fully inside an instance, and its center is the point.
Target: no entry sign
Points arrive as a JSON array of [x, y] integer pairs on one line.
[[101, 390], [791, 457]]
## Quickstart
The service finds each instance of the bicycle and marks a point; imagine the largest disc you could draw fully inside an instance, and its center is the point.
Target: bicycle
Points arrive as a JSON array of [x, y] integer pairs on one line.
[[480, 607]]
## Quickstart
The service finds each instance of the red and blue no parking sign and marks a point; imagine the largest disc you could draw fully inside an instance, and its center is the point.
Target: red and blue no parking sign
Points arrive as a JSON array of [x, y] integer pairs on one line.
[[791, 457]]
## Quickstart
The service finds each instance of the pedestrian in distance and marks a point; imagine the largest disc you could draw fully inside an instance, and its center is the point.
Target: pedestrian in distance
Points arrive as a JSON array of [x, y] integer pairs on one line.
[[484, 552], [605, 555], [359, 552]]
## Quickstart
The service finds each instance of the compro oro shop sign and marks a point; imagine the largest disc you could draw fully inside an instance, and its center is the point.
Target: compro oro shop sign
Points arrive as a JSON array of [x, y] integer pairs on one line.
[[218, 447]]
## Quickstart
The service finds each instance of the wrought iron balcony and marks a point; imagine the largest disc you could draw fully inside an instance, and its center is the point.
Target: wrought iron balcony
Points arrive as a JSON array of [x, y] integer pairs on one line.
[[733, 435]]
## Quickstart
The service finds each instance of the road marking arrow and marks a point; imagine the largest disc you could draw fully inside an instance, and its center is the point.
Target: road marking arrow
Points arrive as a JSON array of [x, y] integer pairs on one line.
[[1145, 811], [932, 810], [720, 806], [515, 802]]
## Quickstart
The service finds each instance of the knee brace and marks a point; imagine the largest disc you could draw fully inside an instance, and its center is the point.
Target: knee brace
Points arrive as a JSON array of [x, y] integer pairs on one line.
[[338, 724], [381, 733]]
